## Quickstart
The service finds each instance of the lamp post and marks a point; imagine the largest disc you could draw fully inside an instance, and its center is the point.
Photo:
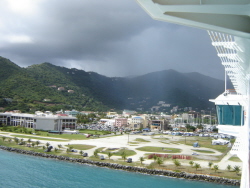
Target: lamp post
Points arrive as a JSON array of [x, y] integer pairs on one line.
[[128, 138]]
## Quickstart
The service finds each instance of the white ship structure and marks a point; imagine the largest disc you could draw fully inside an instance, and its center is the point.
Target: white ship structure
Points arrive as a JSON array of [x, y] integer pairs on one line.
[[228, 25]]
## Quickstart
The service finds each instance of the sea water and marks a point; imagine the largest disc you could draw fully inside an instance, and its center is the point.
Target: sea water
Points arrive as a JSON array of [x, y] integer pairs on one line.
[[24, 171]]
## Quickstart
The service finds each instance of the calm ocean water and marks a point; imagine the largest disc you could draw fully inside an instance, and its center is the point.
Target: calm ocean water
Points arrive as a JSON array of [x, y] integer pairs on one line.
[[24, 171]]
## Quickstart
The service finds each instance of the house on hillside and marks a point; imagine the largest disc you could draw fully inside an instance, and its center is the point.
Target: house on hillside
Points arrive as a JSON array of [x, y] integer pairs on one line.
[[61, 89]]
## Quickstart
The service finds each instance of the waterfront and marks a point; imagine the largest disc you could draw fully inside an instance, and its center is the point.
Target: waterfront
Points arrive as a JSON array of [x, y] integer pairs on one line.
[[27, 171]]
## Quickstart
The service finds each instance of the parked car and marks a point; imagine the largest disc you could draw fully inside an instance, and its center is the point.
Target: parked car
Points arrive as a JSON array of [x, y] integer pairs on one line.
[[129, 160], [102, 157], [85, 154]]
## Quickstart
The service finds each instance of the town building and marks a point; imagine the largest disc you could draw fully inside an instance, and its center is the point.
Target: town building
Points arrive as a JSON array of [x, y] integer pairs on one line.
[[121, 122], [39, 121]]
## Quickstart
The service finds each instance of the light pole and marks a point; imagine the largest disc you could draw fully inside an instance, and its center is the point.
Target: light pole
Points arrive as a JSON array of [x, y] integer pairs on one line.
[[128, 138]]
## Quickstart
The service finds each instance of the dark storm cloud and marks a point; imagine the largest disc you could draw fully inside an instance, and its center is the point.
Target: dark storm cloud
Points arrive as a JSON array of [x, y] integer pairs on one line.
[[114, 38]]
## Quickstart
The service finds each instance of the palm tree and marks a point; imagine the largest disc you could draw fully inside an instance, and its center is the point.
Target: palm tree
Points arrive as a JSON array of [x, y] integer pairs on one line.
[[196, 166], [10, 139], [37, 142], [191, 163], [56, 149], [210, 164], [177, 163], [3, 138], [110, 154], [159, 161], [16, 140], [237, 169], [96, 152], [216, 167], [142, 159], [229, 167], [47, 144], [67, 150], [33, 144], [155, 157], [29, 140], [81, 152], [59, 146], [124, 155]]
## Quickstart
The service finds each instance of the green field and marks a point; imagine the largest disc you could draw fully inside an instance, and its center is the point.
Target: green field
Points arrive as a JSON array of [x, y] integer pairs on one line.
[[120, 151], [203, 151], [159, 149], [81, 146]]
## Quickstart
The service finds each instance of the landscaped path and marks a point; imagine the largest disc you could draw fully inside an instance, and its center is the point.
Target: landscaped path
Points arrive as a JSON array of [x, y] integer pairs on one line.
[[121, 141]]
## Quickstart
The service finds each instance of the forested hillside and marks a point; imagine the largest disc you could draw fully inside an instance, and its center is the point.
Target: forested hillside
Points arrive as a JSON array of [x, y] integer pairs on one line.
[[36, 88]]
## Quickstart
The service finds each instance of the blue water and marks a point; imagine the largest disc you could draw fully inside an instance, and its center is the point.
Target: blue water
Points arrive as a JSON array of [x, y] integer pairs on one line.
[[24, 171]]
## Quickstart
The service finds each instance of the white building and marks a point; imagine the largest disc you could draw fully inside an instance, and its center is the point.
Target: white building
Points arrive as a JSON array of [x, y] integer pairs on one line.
[[136, 122], [40, 121]]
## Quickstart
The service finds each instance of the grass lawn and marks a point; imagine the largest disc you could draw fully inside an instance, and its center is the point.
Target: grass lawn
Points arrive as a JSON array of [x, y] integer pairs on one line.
[[37, 138], [203, 151], [159, 149], [204, 142], [120, 151], [133, 143], [81, 146], [141, 140], [63, 136], [94, 132], [235, 159]]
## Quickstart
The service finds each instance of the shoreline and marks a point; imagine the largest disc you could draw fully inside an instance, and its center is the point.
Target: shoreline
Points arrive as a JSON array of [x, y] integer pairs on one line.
[[181, 175]]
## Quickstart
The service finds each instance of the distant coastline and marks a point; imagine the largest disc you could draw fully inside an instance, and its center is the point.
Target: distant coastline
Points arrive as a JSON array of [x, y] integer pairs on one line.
[[184, 175]]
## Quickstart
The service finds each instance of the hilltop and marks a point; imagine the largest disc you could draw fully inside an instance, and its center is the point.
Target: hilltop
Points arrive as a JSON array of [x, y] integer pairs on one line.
[[48, 87]]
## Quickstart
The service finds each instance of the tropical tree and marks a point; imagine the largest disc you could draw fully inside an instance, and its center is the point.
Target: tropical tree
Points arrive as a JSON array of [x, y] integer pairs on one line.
[[81, 152], [96, 153], [68, 150], [37, 142], [191, 163], [29, 140], [56, 149], [10, 139], [236, 169], [229, 167], [33, 144], [124, 155], [210, 164], [159, 161], [110, 154], [177, 163], [155, 157], [59, 146], [3, 138], [197, 165], [142, 159], [16, 140], [47, 144], [216, 167]]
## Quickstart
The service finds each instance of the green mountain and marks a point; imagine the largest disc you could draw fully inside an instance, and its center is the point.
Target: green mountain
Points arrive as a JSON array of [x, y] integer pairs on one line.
[[36, 88]]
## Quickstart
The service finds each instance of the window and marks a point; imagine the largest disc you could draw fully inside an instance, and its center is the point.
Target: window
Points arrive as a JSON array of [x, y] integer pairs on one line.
[[230, 115]]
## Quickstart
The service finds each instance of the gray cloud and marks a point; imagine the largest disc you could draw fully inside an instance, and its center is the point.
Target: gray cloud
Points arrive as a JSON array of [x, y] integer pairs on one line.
[[113, 38]]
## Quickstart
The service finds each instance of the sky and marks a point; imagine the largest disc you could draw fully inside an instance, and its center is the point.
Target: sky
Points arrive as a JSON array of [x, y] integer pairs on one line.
[[113, 38]]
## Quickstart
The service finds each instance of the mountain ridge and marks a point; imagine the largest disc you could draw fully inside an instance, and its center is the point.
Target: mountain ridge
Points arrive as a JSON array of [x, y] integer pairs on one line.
[[36, 88]]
